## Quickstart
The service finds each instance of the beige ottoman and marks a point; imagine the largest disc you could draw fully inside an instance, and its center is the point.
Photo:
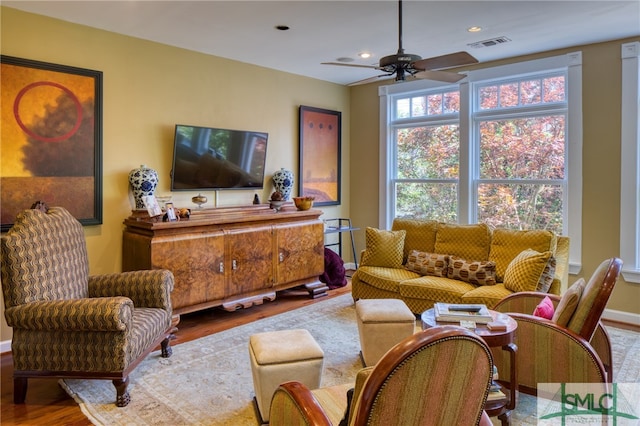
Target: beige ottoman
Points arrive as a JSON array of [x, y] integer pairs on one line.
[[382, 324], [282, 356]]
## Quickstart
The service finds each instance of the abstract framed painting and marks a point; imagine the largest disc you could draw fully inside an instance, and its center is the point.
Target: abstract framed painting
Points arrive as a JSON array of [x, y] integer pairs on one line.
[[51, 139], [320, 154]]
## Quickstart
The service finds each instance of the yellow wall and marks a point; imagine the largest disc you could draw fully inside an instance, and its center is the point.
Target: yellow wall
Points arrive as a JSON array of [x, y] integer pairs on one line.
[[601, 161], [148, 88]]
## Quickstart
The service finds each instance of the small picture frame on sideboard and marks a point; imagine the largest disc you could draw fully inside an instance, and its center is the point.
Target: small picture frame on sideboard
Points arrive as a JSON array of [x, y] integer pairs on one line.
[[171, 215]]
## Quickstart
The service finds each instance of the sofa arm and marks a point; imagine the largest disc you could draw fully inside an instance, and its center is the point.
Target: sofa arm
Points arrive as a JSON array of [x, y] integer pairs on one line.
[[100, 314], [548, 353], [147, 289], [294, 404]]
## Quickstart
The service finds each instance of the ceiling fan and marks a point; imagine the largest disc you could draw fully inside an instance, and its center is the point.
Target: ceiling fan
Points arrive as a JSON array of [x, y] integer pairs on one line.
[[402, 64]]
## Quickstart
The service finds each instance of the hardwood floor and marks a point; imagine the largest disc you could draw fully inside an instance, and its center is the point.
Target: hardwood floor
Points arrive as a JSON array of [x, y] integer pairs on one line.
[[48, 404]]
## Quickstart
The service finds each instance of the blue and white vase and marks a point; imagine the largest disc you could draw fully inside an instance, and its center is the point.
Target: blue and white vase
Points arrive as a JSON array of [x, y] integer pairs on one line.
[[283, 182], [143, 183]]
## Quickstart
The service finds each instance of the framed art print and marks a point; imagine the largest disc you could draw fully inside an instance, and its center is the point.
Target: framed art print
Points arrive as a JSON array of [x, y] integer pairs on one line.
[[320, 153], [51, 139]]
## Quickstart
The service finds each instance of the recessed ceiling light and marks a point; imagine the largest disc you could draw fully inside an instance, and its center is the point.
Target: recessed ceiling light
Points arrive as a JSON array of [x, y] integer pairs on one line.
[[282, 27], [364, 55], [474, 29]]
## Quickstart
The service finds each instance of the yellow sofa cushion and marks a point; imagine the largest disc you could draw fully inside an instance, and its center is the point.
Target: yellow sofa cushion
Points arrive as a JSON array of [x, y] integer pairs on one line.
[[437, 289], [506, 244], [387, 279], [383, 248], [421, 234], [525, 271], [489, 295], [469, 242]]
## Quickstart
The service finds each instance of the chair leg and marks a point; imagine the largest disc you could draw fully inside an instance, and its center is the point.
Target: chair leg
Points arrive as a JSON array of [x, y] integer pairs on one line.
[[122, 394], [19, 390], [165, 347]]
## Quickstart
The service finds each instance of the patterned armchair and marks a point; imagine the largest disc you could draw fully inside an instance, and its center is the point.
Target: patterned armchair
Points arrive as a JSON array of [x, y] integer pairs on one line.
[[573, 346], [439, 376], [67, 324]]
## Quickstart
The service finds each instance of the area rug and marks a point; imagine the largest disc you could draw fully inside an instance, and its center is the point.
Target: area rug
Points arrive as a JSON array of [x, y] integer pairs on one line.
[[208, 381]]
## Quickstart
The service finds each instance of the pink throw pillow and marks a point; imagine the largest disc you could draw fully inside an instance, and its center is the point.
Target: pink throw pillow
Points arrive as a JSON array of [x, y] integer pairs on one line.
[[544, 309]]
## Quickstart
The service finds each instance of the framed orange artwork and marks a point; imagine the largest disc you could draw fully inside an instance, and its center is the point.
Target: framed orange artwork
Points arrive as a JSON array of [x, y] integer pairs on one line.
[[51, 139], [320, 153]]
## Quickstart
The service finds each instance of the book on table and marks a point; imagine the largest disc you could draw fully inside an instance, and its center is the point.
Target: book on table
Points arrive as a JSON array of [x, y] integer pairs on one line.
[[449, 312]]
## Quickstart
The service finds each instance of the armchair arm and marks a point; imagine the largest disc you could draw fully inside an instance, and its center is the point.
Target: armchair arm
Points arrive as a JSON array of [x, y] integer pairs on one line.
[[100, 314], [147, 289], [548, 353], [294, 404]]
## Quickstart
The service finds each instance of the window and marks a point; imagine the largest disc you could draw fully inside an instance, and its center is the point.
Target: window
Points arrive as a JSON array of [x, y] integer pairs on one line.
[[630, 163], [502, 148]]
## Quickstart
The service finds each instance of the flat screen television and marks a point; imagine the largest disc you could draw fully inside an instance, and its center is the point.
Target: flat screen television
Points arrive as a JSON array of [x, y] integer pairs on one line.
[[206, 158]]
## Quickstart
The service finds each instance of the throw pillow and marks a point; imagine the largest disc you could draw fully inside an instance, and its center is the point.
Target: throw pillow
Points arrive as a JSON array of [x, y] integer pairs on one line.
[[506, 244], [473, 272], [568, 303], [544, 309], [546, 279], [428, 263], [525, 270], [383, 248]]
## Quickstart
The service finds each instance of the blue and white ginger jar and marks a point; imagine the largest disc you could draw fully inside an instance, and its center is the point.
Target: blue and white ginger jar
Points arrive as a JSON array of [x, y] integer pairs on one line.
[[283, 182], [143, 183]]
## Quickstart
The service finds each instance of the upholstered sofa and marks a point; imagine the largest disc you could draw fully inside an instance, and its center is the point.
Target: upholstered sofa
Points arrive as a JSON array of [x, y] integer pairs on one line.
[[423, 262]]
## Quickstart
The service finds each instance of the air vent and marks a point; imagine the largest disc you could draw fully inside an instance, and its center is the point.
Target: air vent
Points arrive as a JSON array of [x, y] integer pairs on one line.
[[490, 42]]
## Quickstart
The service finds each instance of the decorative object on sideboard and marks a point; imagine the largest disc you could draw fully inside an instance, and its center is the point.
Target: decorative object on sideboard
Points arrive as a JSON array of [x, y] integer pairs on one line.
[[303, 203], [199, 200], [283, 182], [277, 200], [143, 183], [256, 199]]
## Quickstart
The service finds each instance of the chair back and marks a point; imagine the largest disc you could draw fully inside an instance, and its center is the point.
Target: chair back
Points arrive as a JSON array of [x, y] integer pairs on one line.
[[594, 298], [44, 257], [440, 376]]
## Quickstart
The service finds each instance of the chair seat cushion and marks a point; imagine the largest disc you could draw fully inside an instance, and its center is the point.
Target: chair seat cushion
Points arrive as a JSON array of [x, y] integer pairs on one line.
[[488, 295]]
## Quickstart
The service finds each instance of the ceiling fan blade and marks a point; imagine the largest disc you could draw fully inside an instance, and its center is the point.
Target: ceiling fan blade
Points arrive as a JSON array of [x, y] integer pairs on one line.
[[451, 60], [349, 65], [370, 79], [447, 77]]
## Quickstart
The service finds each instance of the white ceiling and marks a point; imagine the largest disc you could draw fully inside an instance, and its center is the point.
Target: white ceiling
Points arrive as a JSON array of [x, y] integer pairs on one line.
[[323, 31]]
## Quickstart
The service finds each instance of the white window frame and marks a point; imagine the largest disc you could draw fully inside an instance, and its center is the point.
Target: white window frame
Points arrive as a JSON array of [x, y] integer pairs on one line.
[[572, 62], [630, 163]]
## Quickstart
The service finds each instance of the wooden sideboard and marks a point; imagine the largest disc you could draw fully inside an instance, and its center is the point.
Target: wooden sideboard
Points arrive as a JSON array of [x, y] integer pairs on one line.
[[233, 257]]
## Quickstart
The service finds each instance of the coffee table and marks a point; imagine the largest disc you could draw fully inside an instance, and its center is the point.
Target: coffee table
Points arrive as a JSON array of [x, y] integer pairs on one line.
[[493, 338]]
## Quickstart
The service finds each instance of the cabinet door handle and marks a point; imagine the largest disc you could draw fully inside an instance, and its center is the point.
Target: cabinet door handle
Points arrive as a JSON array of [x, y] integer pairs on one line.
[[281, 256], [234, 264], [221, 267]]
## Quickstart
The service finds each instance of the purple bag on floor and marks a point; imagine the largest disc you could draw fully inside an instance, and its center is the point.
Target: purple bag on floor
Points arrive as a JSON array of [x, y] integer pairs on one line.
[[334, 273]]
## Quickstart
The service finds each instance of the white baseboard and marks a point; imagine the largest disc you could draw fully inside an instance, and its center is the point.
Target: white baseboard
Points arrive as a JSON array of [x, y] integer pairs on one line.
[[620, 316], [5, 346]]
